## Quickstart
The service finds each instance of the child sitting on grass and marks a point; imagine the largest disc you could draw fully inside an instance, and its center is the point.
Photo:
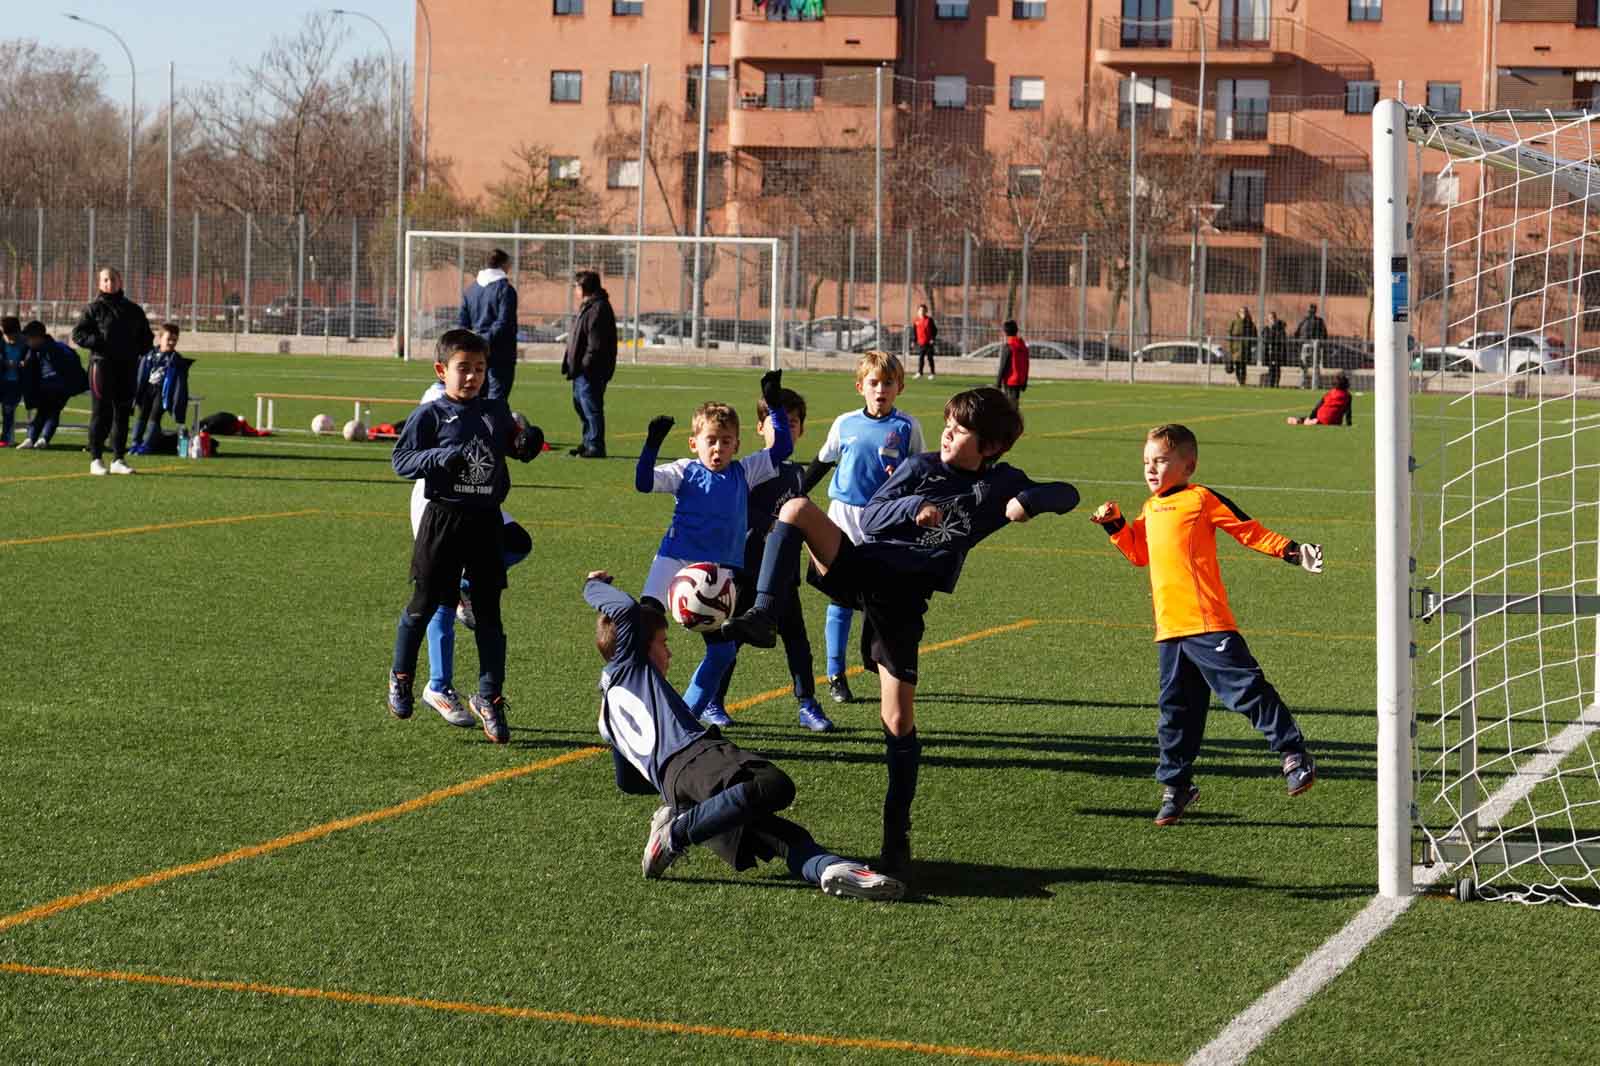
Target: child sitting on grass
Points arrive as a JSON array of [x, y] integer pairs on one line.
[[1332, 410]]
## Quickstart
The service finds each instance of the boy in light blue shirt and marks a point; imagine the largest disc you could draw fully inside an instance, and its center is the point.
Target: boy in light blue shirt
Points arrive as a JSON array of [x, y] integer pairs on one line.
[[708, 519], [867, 445]]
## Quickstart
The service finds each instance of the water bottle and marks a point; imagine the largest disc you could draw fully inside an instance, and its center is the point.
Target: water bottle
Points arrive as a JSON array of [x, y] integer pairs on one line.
[[183, 442]]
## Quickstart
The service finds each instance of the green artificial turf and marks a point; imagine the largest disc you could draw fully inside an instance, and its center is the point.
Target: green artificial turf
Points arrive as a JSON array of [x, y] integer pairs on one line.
[[209, 675]]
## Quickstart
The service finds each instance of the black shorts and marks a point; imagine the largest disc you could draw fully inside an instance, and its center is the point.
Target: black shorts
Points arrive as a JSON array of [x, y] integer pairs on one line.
[[710, 765], [453, 540], [892, 607]]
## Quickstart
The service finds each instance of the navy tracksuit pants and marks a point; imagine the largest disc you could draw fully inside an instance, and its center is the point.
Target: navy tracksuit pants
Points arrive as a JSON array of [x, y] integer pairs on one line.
[[1192, 668]]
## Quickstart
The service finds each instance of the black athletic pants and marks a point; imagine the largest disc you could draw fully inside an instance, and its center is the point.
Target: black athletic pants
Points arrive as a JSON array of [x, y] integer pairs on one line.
[[111, 388]]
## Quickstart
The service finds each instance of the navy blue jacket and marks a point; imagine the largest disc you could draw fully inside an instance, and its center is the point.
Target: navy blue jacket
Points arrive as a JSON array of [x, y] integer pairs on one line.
[[490, 311], [54, 372], [973, 503], [458, 451]]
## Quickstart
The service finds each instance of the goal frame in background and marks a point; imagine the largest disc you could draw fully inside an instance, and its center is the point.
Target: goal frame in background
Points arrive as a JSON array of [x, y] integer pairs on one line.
[[1469, 843], [774, 245]]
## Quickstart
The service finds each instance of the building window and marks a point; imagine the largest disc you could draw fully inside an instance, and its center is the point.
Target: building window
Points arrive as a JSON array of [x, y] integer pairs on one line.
[[1024, 182], [1027, 94], [627, 7], [566, 86], [1243, 194], [788, 175], [951, 11], [1444, 11], [622, 173], [1242, 108], [692, 86], [1442, 189], [950, 90], [1444, 96], [791, 92], [1366, 10], [569, 7], [1147, 23], [565, 170], [1360, 97], [1153, 106], [624, 87], [1024, 11], [1358, 188]]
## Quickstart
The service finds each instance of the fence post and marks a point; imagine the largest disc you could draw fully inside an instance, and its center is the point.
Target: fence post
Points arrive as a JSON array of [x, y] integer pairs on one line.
[[966, 287], [355, 270], [1083, 286], [794, 283], [1261, 301], [638, 226], [516, 251], [849, 308], [1204, 257], [1027, 254], [194, 277], [300, 276], [572, 268], [38, 269], [1574, 312], [738, 288], [910, 264], [1133, 206], [877, 205], [91, 252], [1322, 308]]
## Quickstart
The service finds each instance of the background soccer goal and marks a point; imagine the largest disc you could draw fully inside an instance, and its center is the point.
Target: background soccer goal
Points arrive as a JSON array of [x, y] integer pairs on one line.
[[1488, 476], [651, 282]]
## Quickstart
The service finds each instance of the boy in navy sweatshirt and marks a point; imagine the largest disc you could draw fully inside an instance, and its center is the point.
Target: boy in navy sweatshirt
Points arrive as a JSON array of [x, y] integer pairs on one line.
[[918, 528], [457, 445]]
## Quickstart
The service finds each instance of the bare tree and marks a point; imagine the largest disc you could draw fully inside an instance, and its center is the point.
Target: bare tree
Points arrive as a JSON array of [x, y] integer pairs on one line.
[[62, 140]]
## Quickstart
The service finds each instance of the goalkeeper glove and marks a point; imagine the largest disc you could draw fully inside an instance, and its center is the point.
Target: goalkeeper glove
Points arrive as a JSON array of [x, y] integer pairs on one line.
[[527, 440], [660, 426], [771, 383], [1109, 517], [1306, 556]]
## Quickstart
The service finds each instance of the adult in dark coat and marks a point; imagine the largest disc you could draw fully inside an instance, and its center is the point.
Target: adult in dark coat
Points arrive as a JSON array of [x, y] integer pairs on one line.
[[117, 334], [489, 309], [590, 361], [1274, 341], [1241, 342], [1309, 332]]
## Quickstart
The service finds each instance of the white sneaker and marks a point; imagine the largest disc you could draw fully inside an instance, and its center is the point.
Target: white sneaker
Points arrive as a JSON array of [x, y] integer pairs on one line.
[[449, 706], [855, 881], [41, 444], [932, 376], [98, 469], [918, 374], [25, 444], [658, 853], [120, 467]]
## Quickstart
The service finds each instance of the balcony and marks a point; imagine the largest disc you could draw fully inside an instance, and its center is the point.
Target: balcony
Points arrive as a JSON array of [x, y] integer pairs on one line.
[[754, 124], [850, 31], [1245, 131], [1140, 44]]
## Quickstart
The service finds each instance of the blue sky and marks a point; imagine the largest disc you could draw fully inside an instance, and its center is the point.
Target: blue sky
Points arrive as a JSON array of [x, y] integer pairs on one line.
[[208, 39]]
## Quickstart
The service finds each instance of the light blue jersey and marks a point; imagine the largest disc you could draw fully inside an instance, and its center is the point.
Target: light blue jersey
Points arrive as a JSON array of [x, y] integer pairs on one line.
[[708, 522], [868, 450]]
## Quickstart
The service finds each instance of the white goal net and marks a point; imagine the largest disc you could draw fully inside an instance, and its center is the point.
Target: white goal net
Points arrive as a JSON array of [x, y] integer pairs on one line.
[[734, 310], [1504, 318]]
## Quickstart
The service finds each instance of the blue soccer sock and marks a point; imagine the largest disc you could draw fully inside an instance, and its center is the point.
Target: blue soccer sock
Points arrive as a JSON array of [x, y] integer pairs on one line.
[[407, 643], [442, 647], [837, 633], [491, 658], [727, 810], [707, 679], [780, 565], [903, 756], [808, 863]]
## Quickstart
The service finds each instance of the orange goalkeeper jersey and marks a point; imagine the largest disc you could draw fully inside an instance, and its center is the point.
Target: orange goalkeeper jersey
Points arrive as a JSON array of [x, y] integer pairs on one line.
[[1176, 537]]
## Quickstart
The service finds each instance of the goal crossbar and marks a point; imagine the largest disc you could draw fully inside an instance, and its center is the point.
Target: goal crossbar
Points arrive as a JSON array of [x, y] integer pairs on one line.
[[773, 245]]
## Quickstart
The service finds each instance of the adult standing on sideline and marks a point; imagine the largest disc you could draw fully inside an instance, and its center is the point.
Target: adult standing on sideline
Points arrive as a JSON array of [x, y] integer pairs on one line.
[[1309, 332], [590, 361], [1274, 339], [117, 333], [1241, 339], [924, 331], [489, 309]]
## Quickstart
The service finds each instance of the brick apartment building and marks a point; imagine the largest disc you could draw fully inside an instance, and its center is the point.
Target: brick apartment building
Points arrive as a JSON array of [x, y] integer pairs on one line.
[[1288, 85]]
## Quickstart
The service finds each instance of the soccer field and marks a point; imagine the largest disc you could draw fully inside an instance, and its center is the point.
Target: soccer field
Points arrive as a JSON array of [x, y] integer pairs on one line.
[[217, 845]]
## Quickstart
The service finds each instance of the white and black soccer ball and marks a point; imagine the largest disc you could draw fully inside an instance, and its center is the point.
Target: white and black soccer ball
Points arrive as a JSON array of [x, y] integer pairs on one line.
[[700, 596], [322, 424], [355, 429]]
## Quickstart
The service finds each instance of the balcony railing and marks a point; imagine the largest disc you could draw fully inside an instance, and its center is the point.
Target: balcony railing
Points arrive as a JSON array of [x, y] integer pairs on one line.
[[1230, 35]]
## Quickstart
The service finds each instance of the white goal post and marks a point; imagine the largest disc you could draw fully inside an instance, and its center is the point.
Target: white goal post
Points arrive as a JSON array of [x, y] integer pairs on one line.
[[438, 270], [1486, 261]]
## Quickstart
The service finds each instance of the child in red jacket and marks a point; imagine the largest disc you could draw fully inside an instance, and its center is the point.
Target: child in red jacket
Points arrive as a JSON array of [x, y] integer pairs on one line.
[[1012, 376], [1332, 410]]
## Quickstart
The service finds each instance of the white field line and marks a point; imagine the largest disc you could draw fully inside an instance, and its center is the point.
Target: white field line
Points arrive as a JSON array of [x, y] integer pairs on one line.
[[1251, 1028]]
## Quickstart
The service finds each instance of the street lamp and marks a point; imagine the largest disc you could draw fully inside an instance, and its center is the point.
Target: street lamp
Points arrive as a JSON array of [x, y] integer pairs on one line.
[[427, 84], [1200, 97], [127, 196], [400, 173]]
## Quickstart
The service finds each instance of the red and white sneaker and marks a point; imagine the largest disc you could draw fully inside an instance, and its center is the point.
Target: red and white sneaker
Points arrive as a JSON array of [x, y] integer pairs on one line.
[[658, 853], [449, 705], [852, 880]]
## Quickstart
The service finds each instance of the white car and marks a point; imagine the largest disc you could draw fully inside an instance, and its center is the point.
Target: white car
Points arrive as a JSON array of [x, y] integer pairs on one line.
[[1181, 352], [833, 334], [1491, 352], [1036, 350]]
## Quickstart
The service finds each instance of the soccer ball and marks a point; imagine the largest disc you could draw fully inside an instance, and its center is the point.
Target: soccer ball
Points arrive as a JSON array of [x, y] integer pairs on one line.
[[321, 424], [700, 596], [355, 430]]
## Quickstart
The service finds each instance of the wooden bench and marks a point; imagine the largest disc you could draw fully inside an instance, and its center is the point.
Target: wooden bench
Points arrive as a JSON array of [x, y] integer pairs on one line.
[[265, 402]]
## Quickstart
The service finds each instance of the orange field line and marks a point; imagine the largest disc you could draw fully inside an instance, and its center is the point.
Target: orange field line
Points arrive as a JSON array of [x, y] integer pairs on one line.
[[561, 1017], [317, 832], [96, 534]]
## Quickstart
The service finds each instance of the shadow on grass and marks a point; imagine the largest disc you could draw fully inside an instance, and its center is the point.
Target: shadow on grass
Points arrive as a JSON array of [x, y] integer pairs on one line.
[[1197, 816], [938, 878], [996, 700], [390, 482]]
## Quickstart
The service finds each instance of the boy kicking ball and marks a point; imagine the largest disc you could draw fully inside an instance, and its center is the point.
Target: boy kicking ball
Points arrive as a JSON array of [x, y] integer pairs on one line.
[[714, 793], [917, 530], [1199, 646]]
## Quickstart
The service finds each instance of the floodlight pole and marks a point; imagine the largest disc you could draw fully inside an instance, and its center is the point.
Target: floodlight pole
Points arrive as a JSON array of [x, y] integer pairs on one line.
[[133, 122], [700, 171], [427, 86]]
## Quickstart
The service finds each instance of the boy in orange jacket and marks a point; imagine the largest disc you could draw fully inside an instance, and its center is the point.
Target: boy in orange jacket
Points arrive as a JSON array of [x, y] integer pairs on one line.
[[1199, 647]]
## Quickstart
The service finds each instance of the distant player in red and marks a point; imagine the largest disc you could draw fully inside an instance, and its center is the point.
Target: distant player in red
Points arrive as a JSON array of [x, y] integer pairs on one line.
[[1012, 377], [1332, 410]]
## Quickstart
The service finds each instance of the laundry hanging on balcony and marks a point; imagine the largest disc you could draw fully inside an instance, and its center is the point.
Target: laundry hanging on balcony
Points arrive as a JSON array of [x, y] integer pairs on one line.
[[794, 10]]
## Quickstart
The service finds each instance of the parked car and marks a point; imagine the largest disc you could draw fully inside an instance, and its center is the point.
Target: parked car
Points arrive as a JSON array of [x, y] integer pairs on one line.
[[1182, 352], [1342, 353], [337, 321], [1491, 352], [278, 315], [531, 333], [833, 333], [1036, 350]]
